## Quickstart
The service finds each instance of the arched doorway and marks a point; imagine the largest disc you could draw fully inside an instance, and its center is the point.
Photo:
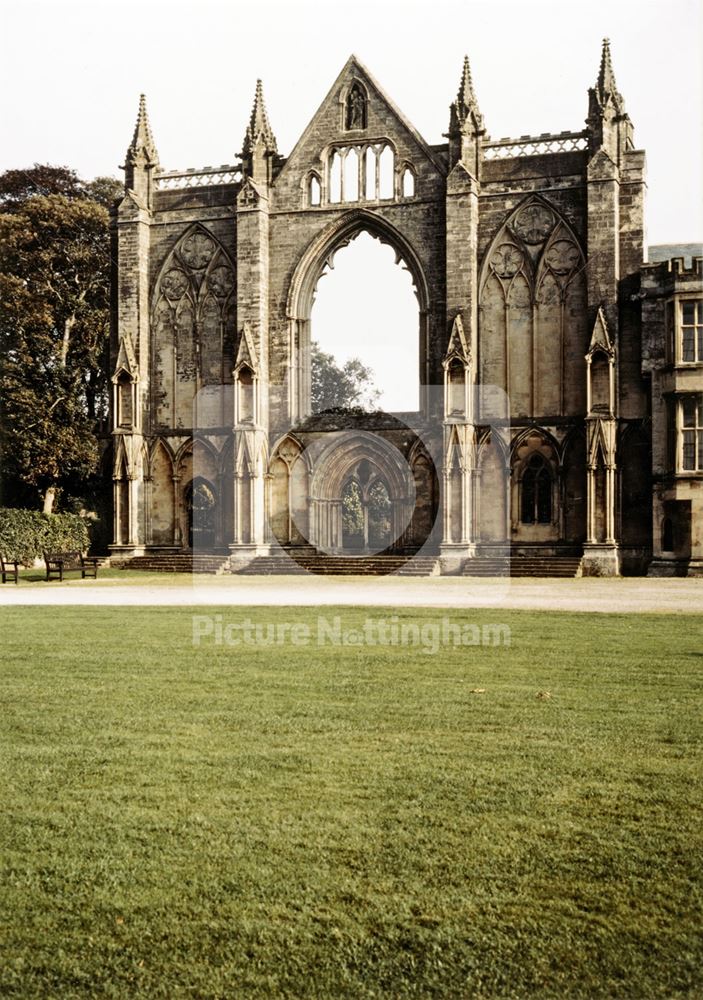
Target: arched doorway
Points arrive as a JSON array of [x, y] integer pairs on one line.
[[362, 495], [200, 501], [535, 508], [367, 516]]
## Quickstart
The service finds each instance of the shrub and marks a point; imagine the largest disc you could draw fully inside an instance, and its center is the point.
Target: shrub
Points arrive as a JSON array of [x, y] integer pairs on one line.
[[26, 534]]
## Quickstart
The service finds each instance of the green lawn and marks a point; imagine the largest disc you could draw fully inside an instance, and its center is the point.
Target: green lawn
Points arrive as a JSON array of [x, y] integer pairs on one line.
[[242, 821]]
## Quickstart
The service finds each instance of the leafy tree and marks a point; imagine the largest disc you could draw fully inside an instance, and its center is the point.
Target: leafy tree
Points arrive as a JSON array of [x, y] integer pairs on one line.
[[352, 510], [16, 186], [334, 387], [54, 325]]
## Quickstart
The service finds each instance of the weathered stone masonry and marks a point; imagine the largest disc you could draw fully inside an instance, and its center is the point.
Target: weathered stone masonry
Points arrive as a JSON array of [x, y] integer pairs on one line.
[[537, 391]]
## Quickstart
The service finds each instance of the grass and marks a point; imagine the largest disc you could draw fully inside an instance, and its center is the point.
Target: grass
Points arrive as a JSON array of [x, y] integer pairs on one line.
[[248, 821]]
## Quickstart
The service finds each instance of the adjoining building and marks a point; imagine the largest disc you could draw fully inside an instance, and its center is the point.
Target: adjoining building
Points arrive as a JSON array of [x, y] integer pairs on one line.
[[561, 381]]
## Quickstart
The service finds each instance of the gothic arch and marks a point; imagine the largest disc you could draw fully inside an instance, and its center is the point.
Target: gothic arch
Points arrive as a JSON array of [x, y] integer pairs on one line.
[[319, 254], [192, 320], [321, 250], [535, 265], [529, 434], [338, 457], [544, 525], [366, 457], [159, 445], [289, 471]]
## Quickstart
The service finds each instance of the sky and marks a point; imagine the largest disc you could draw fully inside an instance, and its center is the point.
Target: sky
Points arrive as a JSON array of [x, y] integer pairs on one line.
[[71, 74]]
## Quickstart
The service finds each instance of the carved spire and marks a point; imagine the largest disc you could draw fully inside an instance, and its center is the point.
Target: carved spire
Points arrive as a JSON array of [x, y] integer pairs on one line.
[[465, 124], [141, 159], [259, 130], [608, 123], [259, 142], [466, 102], [605, 86], [142, 144]]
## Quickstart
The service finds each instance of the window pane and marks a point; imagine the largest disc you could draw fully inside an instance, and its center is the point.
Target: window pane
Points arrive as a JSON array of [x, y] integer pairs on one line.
[[689, 412], [689, 312], [688, 344], [699, 464], [689, 451]]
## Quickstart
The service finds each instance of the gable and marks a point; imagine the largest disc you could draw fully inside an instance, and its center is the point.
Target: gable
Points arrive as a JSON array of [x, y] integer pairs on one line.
[[338, 124]]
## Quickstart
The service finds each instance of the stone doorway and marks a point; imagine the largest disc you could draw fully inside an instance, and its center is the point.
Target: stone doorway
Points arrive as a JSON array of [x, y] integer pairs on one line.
[[200, 501]]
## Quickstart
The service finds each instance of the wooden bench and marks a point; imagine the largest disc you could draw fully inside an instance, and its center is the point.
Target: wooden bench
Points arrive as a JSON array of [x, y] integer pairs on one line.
[[58, 563], [9, 567]]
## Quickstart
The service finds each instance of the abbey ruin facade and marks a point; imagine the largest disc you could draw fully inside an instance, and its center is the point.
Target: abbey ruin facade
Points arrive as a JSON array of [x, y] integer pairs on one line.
[[555, 416]]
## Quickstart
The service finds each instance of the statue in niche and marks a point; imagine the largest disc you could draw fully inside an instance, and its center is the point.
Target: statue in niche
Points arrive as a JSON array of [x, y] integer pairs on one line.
[[356, 108]]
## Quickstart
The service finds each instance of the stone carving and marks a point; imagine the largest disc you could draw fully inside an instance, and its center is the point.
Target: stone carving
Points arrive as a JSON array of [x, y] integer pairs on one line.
[[356, 109], [197, 250], [173, 284], [221, 281], [248, 196], [562, 257], [533, 224], [506, 261]]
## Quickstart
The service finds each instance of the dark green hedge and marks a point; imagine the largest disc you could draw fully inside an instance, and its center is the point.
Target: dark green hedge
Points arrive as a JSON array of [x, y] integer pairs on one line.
[[26, 534]]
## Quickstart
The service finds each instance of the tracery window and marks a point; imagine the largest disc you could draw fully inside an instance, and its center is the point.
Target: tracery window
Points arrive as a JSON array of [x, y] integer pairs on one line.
[[536, 498], [356, 173]]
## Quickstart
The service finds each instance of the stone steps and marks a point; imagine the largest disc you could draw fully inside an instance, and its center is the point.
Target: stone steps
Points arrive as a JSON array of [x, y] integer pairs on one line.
[[178, 563], [324, 565], [524, 566]]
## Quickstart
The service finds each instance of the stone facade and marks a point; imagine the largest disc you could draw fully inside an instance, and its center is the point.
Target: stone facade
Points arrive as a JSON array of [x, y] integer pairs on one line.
[[534, 431], [672, 357]]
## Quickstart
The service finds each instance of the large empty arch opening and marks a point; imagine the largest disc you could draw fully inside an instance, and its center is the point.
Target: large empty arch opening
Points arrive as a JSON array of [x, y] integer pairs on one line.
[[365, 322]]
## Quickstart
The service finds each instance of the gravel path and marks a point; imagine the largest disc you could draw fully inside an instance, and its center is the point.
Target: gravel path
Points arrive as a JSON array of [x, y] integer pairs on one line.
[[618, 595]]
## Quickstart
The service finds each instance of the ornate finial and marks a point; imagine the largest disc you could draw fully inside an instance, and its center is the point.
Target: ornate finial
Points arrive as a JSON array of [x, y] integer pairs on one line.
[[259, 128], [605, 85], [466, 104], [606, 76], [466, 94], [142, 140]]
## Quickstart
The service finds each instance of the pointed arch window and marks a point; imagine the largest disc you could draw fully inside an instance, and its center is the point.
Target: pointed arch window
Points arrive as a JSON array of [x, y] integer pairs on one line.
[[245, 386], [457, 387], [407, 183], [536, 495], [125, 400], [361, 172], [314, 190]]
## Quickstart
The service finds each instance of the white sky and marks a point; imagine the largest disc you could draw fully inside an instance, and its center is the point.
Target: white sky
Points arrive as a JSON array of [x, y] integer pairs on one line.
[[71, 74]]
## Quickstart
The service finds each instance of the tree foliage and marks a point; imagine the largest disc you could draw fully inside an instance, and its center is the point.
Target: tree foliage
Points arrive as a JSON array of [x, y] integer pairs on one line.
[[333, 387], [54, 324]]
